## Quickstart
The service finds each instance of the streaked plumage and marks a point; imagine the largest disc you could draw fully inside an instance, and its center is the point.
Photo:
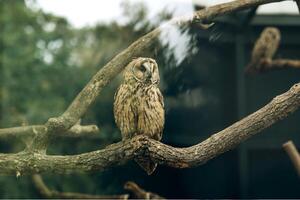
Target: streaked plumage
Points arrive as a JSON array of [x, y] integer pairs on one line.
[[138, 104]]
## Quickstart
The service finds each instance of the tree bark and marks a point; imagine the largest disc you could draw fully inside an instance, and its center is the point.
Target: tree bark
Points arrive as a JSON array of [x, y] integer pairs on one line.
[[89, 93], [24, 131], [116, 154], [267, 65]]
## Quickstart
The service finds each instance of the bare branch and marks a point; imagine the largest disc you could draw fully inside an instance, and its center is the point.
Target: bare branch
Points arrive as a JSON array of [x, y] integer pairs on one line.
[[24, 131], [89, 93], [41, 186], [139, 193], [276, 64], [81, 131], [294, 155], [280, 64], [47, 193], [116, 154]]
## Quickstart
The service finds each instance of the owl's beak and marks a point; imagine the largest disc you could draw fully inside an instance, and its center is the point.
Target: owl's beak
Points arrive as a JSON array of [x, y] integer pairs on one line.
[[149, 69], [151, 78]]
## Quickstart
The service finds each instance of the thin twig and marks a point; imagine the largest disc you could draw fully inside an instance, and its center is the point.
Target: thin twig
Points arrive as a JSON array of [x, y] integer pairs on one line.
[[53, 194], [140, 193], [35, 160], [267, 65], [24, 131], [294, 155]]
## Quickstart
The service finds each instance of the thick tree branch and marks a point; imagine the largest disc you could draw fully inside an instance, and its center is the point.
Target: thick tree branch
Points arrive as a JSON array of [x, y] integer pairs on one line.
[[24, 131], [116, 154], [89, 93], [294, 155], [53, 194]]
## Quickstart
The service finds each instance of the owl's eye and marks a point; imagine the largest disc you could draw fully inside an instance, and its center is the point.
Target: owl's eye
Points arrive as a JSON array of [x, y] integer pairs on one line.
[[143, 68]]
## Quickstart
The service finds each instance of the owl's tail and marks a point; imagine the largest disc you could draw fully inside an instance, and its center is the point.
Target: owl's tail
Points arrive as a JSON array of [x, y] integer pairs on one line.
[[147, 165]]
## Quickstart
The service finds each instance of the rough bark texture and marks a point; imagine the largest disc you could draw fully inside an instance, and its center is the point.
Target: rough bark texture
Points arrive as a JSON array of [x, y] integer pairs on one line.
[[88, 95], [24, 131], [34, 159], [116, 154]]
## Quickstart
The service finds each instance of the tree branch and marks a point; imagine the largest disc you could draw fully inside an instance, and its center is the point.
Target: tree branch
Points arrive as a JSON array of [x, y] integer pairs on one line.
[[89, 93], [21, 131], [116, 154], [294, 155], [47, 193], [24, 131], [82, 131], [276, 64], [139, 193]]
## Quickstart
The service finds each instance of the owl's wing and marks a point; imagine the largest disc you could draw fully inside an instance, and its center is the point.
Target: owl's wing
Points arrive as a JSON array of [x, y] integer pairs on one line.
[[116, 93], [151, 117], [124, 113], [162, 115], [259, 50], [160, 98]]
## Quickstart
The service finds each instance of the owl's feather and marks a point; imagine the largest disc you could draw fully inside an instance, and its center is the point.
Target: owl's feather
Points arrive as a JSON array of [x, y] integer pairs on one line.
[[138, 106]]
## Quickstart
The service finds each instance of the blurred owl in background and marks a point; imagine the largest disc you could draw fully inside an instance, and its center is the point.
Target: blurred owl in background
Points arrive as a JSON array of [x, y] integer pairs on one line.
[[265, 47], [139, 106]]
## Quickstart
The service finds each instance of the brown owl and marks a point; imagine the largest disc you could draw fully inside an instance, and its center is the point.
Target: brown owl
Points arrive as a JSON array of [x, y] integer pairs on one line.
[[265, 47], [139, 106]]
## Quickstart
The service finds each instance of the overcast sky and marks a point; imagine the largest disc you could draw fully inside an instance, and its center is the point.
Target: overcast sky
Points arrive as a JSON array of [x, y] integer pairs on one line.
[[88, 12]]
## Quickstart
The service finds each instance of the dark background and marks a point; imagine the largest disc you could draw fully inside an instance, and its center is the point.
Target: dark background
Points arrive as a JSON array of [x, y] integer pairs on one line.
[[45, 62]]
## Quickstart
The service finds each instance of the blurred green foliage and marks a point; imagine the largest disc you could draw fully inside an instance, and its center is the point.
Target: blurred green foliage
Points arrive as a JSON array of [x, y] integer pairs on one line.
[[45, 62]]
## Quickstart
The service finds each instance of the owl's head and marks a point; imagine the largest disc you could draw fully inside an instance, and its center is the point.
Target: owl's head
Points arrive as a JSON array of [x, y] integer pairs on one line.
[[142, 70], [272, 33]]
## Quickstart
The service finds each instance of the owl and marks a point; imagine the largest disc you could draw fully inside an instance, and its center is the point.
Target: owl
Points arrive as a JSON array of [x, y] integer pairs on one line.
[[265, 47], [139, 104]]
